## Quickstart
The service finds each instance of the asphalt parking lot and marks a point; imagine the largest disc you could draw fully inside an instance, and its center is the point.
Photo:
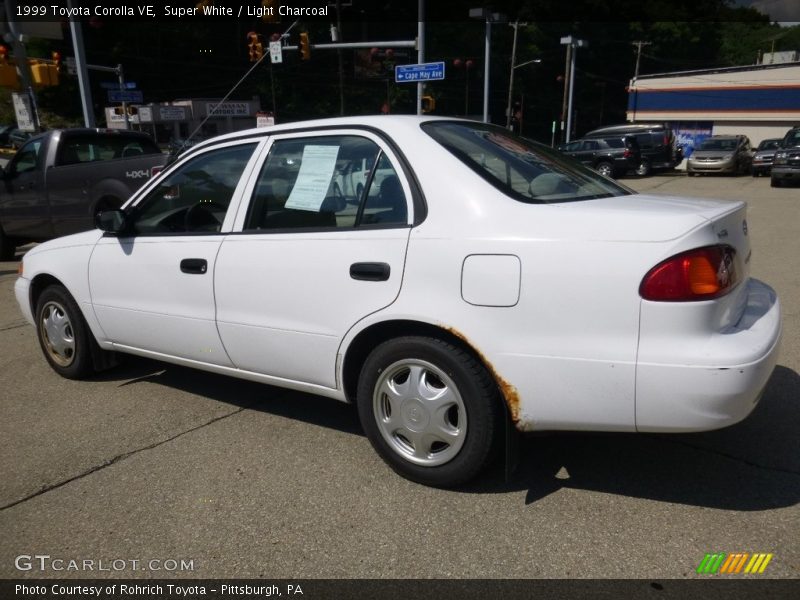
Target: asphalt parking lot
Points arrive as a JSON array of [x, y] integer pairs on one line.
[[156, 462]]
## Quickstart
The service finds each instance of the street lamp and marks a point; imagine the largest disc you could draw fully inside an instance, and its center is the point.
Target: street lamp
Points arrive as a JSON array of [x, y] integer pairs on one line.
[[489, 17], [572, 44]]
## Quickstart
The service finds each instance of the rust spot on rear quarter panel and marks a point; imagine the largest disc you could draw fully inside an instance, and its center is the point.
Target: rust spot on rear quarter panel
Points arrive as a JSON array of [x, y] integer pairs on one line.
[[509, 392]]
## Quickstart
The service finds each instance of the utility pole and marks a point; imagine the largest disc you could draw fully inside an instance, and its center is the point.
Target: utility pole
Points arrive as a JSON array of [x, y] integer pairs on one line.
[[420, 50], [515, 25], [639, 45], [336, 38], [566, 92], [14, 37], [572, 44]]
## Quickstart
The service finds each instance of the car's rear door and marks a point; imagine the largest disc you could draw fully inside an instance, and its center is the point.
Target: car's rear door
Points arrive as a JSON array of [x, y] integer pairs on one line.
[[307, 263]]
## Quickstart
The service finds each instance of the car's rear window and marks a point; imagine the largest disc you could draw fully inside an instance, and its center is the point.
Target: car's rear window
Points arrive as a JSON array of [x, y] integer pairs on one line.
[[90, 147], [525, 170]]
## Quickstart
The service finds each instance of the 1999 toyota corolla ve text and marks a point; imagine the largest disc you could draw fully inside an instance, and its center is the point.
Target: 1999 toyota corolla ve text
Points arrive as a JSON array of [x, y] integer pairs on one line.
[[478, 280]]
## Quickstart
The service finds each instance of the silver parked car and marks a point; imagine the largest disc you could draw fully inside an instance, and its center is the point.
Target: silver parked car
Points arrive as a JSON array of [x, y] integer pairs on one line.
[[721, 154], [762, 159]]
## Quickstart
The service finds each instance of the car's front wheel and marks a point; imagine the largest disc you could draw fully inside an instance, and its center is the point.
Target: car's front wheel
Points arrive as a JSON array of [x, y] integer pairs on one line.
[[430, 409], [64, 336]]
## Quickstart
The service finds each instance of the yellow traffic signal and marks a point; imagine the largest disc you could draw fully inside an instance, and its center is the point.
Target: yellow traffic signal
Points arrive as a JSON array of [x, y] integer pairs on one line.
[[305, 47], [255, 46], [44, 74], [8, 72], [268, 12], [428, 104]]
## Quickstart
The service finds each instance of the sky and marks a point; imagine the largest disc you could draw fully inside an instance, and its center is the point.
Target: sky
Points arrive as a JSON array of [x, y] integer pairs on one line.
[[783, 11]]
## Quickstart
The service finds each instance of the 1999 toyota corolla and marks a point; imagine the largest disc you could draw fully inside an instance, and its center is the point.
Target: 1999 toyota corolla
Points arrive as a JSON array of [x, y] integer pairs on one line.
[[475, 280]]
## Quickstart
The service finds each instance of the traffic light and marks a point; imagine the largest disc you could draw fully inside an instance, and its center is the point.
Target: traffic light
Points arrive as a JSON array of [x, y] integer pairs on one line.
[[45, 74], [428, 104], [268, 12], [8, 72], [305, 47], [255, 46]]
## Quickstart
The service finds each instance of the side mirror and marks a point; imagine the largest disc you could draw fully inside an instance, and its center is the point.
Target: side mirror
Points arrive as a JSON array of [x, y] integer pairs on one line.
[[110, 221]]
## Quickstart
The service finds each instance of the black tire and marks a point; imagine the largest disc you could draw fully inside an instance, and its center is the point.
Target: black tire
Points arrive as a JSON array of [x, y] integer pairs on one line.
[[644, 169], [57, 307], [8, 247], [775, 182], [605, 168], [472, 415]]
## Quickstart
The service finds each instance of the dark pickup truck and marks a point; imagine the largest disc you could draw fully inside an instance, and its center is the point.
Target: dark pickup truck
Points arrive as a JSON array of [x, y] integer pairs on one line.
[[60, 179]]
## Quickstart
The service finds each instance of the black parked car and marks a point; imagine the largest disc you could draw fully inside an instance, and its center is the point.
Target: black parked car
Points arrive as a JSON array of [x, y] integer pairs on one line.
[[611, 156], [657, 144], [786, 165], [5, 131]]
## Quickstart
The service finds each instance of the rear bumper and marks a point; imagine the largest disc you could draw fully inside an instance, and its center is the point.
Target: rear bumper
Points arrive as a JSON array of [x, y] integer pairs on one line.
[[715, 382]]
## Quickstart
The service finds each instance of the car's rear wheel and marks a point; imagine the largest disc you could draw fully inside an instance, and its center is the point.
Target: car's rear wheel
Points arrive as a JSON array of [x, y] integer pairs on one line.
[[64, 336], [643, 169], [605, 169], [775, 182], [430, 410]]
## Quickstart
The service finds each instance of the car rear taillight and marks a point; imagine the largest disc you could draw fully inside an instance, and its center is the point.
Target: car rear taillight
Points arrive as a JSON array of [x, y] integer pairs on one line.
[[156, 170], [700, 274], [627, 153]]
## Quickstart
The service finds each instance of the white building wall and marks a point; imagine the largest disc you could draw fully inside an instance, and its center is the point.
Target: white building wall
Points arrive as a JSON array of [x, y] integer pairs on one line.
[[755, 130]]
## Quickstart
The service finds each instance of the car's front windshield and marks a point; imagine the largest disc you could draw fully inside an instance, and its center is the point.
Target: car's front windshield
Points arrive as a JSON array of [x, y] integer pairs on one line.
[[525, 170], [792, 139], [768, 144], [724, 144]]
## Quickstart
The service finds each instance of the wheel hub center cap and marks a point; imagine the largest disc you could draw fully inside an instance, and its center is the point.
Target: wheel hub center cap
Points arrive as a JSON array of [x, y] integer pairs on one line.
[[415, 416]]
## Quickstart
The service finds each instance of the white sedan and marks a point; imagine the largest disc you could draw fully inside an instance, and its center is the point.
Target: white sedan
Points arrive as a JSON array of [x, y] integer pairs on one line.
[[481, 281]]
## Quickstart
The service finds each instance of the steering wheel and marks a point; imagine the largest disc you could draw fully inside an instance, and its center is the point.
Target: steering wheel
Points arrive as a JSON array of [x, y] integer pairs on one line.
[[200, 216]]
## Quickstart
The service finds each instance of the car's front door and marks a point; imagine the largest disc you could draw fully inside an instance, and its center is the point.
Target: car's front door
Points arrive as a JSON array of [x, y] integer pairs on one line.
[[23, 201], [152, 288], [308, 264]]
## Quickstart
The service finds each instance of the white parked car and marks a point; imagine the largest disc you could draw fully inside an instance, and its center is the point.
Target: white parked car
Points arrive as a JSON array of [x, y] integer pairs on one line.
[[486, 281]]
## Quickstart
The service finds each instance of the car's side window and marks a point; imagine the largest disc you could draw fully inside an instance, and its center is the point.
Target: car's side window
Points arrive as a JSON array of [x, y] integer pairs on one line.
[[385, 202], [195, 197], [26, 159], [330, 182]]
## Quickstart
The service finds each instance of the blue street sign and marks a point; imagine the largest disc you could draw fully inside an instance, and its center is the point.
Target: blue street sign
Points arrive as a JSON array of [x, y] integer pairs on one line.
[[114, 85], [422, 72], [126, 96]]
